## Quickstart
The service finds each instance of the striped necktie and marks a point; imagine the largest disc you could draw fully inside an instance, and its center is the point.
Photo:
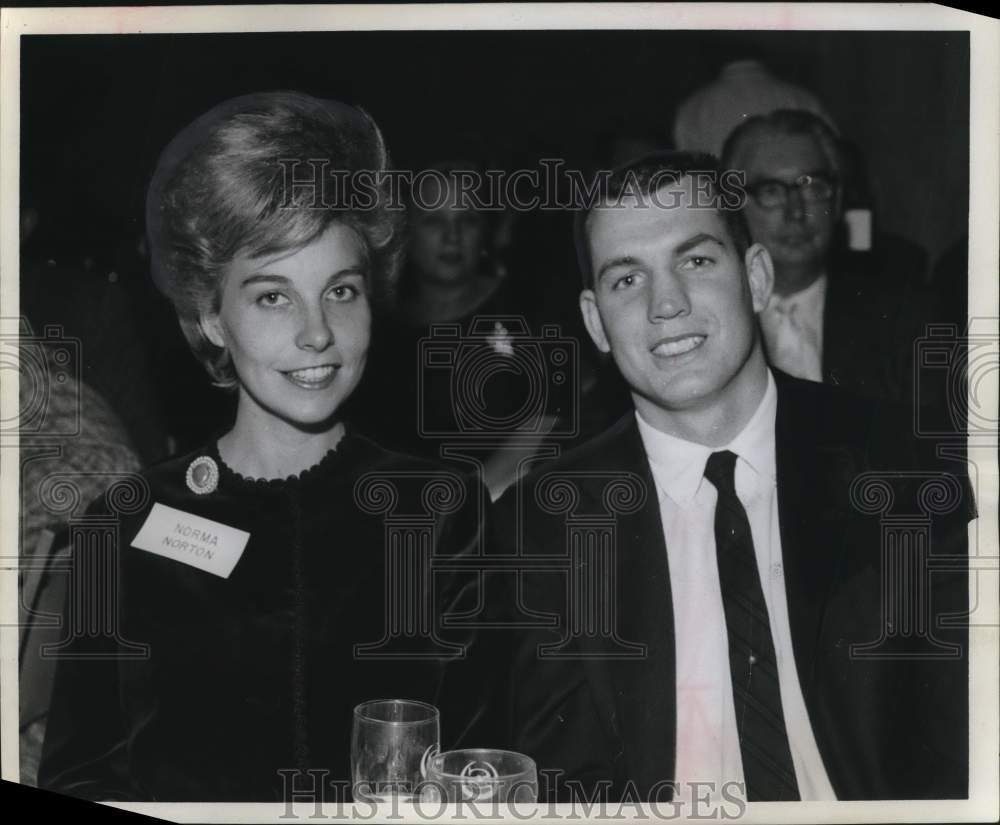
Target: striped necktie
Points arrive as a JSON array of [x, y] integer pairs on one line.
[[767, 759]]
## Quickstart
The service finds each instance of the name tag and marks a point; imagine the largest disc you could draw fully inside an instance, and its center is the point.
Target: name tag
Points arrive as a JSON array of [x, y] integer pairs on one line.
[[189, 539]]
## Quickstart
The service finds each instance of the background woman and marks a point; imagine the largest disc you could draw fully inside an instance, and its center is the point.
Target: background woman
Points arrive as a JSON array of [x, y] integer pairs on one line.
[[250, 598], [453, 275]]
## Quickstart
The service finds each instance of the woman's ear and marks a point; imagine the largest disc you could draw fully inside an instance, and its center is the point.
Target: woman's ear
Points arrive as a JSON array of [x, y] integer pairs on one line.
[[211, 328], [760, 275]]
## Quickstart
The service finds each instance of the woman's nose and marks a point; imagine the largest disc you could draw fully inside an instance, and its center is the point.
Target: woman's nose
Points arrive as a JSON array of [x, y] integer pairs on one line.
[[315, 332], [452, 231]]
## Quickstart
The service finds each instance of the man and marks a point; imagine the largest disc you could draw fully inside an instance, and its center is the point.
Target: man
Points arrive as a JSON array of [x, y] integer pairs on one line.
[[697, 585], [821, 324]]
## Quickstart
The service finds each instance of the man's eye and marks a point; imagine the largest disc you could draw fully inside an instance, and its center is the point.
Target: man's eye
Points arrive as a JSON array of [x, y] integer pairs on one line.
[[271, 299], [768, 192], [697, 262], [626, 281]]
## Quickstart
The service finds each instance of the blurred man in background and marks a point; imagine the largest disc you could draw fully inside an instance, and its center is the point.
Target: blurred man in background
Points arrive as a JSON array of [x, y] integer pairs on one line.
[[822, 325]]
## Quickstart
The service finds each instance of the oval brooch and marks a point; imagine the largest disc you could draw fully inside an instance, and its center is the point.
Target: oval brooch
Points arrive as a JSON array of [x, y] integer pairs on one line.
[[202, 475]]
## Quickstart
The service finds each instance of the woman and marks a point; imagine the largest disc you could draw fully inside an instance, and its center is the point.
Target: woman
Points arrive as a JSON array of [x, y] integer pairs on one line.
[[452, 272], [252, 598], [454, 280]]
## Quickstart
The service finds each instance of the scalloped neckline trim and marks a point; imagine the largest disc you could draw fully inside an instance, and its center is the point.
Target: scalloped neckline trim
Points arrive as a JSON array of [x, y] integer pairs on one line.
[[320, 469]]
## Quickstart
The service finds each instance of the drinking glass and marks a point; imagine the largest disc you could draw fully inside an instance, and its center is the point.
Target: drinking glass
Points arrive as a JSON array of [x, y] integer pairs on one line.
[[481, 775], [391, 742]]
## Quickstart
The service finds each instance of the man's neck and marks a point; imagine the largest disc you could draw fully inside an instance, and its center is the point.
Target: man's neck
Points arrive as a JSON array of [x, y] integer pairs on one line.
[[790, 280]]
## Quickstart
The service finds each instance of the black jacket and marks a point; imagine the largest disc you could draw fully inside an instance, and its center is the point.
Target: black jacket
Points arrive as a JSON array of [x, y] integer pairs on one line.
[[205, 688], [598, 705]]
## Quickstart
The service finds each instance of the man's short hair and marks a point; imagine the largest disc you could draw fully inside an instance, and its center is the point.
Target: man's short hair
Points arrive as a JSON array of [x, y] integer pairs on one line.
[[644, 176], [784, 122]]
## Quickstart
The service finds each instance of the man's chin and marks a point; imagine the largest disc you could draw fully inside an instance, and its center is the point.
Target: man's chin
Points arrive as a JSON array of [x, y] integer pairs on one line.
[[796, 254]]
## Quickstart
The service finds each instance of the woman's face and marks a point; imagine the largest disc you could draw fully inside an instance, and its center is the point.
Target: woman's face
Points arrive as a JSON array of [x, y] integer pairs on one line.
[[446, 240], [297, 326]]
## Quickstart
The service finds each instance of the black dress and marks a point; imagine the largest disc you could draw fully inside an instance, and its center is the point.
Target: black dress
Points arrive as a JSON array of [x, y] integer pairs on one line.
[[259, 672]]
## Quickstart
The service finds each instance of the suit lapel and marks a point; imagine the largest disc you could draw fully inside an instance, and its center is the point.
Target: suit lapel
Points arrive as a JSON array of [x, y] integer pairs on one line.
[[641, 693], [640, 688], [836, 345], [857, 329], [811, 480]]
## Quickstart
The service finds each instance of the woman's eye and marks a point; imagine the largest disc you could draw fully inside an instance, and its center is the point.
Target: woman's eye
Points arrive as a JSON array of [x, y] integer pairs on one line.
[[435, 222], [344, 292], [271, 299]]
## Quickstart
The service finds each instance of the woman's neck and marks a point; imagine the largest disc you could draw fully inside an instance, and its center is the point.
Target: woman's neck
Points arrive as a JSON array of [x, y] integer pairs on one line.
[[266, 448]]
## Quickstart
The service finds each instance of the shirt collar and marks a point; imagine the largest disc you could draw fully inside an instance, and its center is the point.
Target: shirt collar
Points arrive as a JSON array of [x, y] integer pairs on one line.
[[679, 465]]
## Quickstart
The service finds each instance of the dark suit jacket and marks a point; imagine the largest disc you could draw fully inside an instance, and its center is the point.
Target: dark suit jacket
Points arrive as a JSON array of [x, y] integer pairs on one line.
[[870, 326], [887, 728]]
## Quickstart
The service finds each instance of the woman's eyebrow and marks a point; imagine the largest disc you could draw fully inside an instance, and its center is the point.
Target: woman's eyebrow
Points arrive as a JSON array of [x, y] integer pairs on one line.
[[347, 271], [263, 277]]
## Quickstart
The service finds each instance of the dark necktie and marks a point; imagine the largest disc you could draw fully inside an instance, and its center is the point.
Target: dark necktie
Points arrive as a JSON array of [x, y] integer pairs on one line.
[[767, 759]]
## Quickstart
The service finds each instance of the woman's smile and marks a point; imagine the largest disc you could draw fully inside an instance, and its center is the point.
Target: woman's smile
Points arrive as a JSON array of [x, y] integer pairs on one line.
[[313, 378]]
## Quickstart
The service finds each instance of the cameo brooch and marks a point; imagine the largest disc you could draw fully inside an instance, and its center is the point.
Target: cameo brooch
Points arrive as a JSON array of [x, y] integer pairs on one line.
[[202, 475]]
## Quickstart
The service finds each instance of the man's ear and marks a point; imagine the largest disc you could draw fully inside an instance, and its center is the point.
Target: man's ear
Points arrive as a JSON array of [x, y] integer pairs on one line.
[[592, 320], [760, 275], [211, 328]]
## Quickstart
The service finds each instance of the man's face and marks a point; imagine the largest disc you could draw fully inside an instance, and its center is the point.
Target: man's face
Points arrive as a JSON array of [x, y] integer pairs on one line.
[[674, 301], [798, 233]]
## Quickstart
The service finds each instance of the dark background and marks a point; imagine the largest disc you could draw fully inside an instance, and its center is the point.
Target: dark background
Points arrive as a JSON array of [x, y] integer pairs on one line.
[[97, 110]]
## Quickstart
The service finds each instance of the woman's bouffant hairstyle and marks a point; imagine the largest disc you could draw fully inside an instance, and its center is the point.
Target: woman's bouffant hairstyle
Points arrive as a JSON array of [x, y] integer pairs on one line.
[[259, 175]]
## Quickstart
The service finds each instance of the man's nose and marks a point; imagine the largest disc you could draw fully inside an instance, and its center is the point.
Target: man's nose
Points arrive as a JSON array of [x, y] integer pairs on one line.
[[315, 333], [795, 205], [668, 297]]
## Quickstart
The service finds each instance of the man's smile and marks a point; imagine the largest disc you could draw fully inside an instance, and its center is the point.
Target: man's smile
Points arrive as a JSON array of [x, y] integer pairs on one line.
[[676, 345]]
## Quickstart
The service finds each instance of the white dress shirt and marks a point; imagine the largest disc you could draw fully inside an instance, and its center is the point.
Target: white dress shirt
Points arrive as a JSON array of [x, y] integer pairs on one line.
[[793, 331], [708, 747]]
